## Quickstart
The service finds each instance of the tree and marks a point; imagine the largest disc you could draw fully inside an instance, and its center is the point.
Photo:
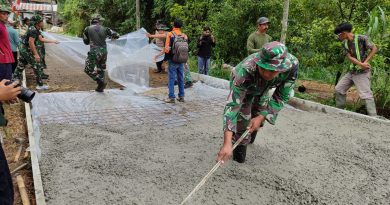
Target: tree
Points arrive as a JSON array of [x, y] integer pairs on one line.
[[284, 21]]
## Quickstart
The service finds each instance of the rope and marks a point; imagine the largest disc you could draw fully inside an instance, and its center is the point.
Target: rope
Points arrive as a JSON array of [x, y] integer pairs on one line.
[[216, 166]]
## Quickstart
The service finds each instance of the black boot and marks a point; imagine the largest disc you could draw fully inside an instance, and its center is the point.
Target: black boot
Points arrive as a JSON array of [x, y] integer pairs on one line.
[[253, 137], [239, 153], [101, 85], [45, 76]]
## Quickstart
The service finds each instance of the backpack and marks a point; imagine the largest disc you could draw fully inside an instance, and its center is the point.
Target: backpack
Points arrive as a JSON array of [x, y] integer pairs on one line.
[[179, 49]]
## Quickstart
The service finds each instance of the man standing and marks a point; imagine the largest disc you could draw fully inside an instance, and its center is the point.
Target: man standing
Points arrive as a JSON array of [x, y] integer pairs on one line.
[[14, 40], [258, 38], [159, 39], [95, 35], [7, 93], [356, 48], [249, 104], [6, 56], [29, 52], [176, 52], [205, 43]]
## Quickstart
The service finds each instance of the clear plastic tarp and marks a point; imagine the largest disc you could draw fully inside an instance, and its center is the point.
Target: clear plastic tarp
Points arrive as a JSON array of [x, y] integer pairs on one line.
[[129, 57], [128, 62]]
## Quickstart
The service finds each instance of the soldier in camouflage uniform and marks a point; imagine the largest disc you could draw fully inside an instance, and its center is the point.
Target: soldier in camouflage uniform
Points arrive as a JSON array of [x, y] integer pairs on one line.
[[249, 104], [95, 35], [30, 52]]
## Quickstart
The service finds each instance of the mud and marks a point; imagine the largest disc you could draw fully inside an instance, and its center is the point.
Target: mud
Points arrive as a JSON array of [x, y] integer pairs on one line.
[[307, 158]]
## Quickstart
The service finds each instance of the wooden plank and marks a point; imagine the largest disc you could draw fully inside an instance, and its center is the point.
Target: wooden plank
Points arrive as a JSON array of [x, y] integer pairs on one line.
[[39, 194]]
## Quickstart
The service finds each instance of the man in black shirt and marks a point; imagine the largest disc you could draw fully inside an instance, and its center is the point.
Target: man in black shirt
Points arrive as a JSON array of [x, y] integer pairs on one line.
[[205, 44]]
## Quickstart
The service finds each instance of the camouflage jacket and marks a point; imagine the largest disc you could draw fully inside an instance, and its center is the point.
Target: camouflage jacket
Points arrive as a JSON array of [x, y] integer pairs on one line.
[[248, 87]]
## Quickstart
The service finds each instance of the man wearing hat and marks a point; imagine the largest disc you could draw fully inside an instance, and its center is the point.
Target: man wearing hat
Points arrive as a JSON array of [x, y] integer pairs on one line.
[[260, 37], [249, 105], [95, 36], [6, 56], [31, 54], [6, 60]]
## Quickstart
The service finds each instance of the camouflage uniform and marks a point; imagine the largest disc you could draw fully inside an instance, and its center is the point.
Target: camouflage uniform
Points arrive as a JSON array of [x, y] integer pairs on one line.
[[249, 91], [187, 74], [27, 57], [42, 52], [95, 36]]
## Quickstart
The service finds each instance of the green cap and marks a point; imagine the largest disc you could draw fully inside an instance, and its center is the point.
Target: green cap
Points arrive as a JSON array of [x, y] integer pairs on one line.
[[5, 7], [274, 57], [97, 16], [36, 19], [163, 28]]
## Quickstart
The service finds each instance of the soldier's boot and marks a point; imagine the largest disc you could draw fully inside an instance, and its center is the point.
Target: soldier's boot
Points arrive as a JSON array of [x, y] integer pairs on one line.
[[340, 100], [101, 85], [370, 106], [253, 137], [239, 153], [45, 76]]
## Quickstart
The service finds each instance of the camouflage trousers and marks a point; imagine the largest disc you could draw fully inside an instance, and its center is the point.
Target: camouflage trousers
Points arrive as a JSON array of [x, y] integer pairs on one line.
[[187, 74], [97, 58], [247, 112], [26, 57]]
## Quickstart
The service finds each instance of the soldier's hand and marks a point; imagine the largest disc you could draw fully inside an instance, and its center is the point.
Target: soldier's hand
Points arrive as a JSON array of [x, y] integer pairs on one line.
[[9, 92], [225, 153], [255, 123], [56, 42], [37, 58]]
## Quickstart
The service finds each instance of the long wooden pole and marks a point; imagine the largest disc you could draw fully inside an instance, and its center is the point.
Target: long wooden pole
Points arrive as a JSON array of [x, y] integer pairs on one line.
[[138, 15], [285, 21]]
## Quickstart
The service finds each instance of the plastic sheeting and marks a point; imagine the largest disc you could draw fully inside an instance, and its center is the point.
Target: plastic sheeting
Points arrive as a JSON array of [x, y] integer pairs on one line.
[[128, 62], [129, 57]]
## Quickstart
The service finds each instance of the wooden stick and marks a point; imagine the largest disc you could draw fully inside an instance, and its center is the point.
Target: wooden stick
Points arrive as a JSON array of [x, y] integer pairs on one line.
[[18, 153], [19, 168], [22, 190], [216, 166]]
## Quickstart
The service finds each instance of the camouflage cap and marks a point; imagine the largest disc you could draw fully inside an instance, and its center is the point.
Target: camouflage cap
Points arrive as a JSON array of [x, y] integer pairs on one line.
[[262, 20], [36, 19], [5, 8], [97, 16], [274, 57]]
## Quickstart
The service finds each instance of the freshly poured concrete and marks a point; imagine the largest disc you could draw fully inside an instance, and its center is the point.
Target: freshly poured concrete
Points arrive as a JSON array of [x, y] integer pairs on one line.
[[306, 158]]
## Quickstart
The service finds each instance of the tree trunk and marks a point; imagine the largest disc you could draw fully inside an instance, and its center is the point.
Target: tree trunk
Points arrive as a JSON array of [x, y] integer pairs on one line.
[[137, 13], [284, 21]]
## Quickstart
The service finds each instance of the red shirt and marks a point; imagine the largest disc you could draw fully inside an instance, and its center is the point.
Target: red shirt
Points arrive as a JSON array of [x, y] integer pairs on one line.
[[6, 55]]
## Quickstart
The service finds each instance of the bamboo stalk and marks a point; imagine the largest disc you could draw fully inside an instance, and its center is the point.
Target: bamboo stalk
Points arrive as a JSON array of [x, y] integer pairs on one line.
[[22, 190]]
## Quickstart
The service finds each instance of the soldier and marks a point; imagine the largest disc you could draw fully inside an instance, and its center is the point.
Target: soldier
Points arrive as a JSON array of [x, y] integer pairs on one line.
[[95, 35], [258, 38], [30, 54], [249, 104]]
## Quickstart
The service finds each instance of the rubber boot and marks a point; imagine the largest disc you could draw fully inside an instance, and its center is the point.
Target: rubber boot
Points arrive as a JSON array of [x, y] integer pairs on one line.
[[340, 100], [239, 153], [253, 137], [370, 106], [101, 85]]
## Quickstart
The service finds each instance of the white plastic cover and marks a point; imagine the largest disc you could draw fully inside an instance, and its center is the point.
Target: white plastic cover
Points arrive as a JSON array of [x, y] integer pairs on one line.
[[129, 57]]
